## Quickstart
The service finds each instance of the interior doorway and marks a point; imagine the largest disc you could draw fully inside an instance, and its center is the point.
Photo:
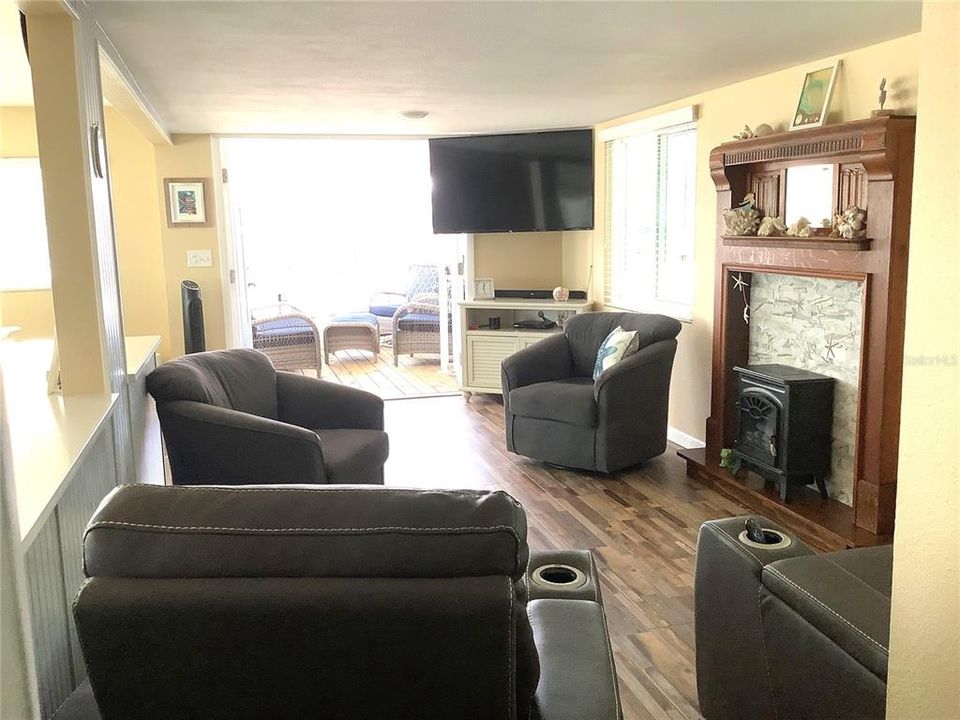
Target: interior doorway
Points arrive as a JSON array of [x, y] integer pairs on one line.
[[336, 270]]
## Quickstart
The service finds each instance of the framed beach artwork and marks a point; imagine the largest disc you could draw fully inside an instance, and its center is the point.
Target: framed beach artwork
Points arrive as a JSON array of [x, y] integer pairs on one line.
[[815, 96], [186, 202]]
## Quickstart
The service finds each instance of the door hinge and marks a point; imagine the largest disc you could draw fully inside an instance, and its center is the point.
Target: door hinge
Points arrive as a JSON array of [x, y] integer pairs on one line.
[[233, 276], [223, 174]]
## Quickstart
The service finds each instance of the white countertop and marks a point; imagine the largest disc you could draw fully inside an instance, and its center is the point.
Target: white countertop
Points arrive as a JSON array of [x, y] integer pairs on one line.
[[48, 433], [140, 349]]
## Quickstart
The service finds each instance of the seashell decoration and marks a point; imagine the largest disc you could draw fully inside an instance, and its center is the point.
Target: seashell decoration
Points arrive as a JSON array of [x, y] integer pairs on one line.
[[761, 130], [851, 223], [561, 294], [742, 220], [772, 227], [801, 228]]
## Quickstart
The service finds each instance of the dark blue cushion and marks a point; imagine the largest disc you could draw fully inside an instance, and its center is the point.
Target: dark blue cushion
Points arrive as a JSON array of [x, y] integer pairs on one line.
[[384, 310], [281, 325], [423, 322]]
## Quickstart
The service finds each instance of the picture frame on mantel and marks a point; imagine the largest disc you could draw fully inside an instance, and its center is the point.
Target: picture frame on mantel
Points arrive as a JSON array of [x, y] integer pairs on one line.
[[186, 202], [816, 93]]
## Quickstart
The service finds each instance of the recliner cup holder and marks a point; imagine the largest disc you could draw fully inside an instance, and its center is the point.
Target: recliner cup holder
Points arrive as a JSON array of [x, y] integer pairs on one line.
[[777, 539], [558, 576]]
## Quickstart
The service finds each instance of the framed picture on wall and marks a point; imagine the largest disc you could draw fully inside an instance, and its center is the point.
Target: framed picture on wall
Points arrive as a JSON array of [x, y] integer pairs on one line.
[[815, 96], [483, 289], [186, 202]]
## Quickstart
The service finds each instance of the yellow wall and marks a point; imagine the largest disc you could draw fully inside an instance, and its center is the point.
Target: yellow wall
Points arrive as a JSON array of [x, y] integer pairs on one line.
[[31, 311], [722, 112], [18, 132], [924, 672], [191, 156], [519, 261], [151, 256], [137, 223]]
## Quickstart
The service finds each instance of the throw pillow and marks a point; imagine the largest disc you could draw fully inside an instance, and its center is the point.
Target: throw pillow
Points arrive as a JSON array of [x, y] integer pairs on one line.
[[619, 344]]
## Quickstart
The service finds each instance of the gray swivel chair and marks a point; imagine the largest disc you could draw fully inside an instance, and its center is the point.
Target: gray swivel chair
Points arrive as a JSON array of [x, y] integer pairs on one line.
[[229, 418], [334, 602], [555, 412], [783, 632]]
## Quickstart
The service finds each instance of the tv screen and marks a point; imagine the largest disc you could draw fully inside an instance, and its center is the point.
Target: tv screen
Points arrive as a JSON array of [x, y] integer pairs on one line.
[[513, 183]]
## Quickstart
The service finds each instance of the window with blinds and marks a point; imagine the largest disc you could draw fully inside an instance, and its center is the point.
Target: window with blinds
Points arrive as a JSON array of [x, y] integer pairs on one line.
[[650, 221]]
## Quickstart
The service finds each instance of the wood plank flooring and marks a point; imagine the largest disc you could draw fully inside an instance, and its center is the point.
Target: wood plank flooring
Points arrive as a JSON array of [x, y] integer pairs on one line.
[[415, 377], [641, 526]]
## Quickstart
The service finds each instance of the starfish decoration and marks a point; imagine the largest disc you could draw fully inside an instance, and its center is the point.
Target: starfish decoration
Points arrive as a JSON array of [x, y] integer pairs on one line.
[[739, 283], [829, 354]]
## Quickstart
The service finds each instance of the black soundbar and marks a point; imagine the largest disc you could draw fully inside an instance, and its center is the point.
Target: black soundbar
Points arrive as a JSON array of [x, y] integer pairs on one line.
[[537, 294]]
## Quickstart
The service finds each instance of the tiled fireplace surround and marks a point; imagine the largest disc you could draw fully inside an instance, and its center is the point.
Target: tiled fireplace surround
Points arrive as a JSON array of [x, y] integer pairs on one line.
[[816, 324]]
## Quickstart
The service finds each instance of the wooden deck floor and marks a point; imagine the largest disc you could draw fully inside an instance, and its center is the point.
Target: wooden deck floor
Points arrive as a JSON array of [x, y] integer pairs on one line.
[[415, 377], [641, 525]]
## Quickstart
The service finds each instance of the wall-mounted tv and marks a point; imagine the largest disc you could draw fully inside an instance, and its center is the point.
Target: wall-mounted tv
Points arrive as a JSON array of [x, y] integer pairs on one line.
[[513, 182]]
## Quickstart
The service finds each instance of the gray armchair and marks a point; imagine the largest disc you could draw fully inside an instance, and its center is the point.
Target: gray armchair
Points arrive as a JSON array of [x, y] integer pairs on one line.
[[321, 602], [555, 412], [228, 417]]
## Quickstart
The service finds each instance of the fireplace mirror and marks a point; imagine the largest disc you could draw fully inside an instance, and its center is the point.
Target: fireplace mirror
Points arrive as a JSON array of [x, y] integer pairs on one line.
[[809, 193]]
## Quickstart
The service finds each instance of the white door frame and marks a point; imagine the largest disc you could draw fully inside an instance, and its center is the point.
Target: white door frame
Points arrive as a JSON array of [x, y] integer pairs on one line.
[[233, 271]]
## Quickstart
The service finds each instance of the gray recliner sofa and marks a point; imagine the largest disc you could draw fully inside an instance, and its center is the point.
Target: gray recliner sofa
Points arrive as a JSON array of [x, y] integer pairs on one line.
[[334, 602], [783, 632], [229, 418], [555, 412]]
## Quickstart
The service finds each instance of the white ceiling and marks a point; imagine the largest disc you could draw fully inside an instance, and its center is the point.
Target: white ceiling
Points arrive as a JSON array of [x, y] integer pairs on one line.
[[350, 67], [16, 87]]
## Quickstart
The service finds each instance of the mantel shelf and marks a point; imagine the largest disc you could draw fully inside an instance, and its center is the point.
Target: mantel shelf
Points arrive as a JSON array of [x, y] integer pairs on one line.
[[800, 243]]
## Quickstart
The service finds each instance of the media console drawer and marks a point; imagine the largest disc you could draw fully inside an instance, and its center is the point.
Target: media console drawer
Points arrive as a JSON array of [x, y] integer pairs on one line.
[[484, 355]]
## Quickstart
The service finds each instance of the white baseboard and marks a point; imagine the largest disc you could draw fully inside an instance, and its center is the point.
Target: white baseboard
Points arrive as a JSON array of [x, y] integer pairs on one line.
[[682, 439]]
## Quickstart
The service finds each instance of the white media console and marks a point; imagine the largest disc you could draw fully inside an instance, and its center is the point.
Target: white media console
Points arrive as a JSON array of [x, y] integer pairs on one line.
[[482, 349]]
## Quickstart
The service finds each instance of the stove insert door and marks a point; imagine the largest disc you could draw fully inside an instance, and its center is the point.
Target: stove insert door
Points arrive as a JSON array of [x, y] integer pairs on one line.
[[760, 414]]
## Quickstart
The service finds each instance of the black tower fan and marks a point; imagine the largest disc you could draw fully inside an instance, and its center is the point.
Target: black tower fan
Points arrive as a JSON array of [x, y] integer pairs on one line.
[[193, 339]]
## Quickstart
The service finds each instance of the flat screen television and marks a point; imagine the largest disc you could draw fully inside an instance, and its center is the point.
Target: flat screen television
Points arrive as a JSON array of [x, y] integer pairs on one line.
[[513, 182]]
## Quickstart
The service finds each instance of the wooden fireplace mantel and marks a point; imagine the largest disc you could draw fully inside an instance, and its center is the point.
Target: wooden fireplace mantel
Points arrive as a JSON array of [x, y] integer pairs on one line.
[[873, 168]]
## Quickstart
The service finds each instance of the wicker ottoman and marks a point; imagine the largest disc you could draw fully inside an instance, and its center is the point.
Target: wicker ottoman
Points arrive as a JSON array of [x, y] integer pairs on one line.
[[355, 331]]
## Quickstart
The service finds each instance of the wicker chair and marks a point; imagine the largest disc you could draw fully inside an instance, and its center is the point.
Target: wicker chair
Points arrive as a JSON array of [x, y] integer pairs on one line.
[[291, 341], [421, 280], [416, 327]]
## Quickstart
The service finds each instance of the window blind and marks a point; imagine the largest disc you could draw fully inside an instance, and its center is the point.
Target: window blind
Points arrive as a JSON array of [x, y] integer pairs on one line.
[[649, 228]]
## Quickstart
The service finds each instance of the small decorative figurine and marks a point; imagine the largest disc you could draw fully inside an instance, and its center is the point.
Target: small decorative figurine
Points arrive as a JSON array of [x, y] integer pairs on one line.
[[561, 294], [801, 228], [882, 98], [730, 461], [772, 227], [743, 219], [851, 223]]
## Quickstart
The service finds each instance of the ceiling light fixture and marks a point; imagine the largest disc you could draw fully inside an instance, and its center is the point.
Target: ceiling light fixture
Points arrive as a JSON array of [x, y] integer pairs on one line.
[[414, 114]]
